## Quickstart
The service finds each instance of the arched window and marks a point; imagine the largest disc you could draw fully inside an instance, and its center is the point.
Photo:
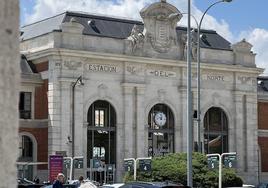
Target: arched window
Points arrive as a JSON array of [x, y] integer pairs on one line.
[[216, 131], [101, 142], [25, 155], [161, 130]]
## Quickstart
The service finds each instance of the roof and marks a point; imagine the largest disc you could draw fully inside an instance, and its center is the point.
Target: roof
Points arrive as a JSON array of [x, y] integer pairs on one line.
[[113, 27], [26, 66], [263, 83]]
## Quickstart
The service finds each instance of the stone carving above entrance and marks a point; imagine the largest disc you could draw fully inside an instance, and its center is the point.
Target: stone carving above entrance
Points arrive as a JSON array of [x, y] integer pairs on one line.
[[160, 21]]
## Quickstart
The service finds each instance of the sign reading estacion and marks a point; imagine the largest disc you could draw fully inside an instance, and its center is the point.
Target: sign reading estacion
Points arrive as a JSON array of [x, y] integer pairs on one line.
[[102, 68]]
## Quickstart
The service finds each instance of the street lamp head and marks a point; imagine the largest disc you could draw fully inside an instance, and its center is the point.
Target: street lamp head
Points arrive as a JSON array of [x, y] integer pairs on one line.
[[227, 1], [80, 81]]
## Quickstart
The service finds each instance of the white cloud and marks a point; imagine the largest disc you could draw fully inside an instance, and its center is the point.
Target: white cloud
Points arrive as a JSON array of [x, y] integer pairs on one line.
[[122, 8], [131, 8], [259, 39]]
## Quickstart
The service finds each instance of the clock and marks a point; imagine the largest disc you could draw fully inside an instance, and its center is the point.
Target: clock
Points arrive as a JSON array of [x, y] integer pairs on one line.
[[160, 119]]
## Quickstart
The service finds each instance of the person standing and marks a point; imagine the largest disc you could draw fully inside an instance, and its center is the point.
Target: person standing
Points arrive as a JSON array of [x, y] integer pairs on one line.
[[59, 182]]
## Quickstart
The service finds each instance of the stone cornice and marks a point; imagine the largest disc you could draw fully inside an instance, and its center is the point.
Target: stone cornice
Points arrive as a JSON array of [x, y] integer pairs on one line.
[[31, 79], [30, 123], [58, 53]]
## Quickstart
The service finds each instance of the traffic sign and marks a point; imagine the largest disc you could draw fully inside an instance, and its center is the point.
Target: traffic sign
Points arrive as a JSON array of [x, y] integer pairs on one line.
[[78, 163], [213, 162], [145, 165], [67, 163], [129, 165], [229, 161], [110, 167]]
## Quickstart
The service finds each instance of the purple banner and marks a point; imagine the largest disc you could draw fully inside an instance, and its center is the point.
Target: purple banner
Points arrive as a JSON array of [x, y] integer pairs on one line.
[[55, 166]]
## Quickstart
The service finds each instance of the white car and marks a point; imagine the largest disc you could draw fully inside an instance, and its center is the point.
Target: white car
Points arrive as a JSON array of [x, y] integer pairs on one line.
[[115, 185], [248, 186]]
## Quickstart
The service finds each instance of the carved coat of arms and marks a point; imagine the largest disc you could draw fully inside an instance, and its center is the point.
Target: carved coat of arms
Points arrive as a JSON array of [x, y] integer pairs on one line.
[[160, 20]]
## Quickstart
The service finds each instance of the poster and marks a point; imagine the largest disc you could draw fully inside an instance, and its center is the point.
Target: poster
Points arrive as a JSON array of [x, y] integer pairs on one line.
[[55, 166]]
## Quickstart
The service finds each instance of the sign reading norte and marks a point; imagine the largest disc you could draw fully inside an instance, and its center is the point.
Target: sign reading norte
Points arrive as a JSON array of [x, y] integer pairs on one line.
[[122, 92]]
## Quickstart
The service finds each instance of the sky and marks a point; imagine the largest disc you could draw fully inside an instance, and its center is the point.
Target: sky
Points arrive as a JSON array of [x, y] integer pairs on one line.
[[235, 20]]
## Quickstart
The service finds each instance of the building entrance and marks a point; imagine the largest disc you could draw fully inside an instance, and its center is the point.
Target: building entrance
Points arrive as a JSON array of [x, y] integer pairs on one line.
[[101, 139]]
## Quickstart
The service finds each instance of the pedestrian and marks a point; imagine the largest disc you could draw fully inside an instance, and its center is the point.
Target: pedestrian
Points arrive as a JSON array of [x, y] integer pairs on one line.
[[59, 182], [81, 181]]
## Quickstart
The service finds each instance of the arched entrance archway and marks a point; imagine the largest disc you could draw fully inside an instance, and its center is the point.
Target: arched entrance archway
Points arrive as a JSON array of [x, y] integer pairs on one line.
[[160, 130], [215, 131], [101, 136]]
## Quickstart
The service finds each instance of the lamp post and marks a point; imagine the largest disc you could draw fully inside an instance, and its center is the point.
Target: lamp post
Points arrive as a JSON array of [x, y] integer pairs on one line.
[[78, 81], [189, 91], [199, 74], [189, 102]]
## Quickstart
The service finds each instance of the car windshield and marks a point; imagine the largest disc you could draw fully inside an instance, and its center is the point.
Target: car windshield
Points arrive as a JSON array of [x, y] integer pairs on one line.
[[263, 185]]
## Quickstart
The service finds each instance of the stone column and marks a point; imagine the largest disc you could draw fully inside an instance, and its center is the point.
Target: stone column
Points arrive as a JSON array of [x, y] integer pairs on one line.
[[141, 132], [9, 87], [54, 108], [130, 133], [239, 132], [252, 138], [66, 114]]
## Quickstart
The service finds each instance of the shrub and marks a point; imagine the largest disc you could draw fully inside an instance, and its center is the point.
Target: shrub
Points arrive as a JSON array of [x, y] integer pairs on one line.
[[173, 167]]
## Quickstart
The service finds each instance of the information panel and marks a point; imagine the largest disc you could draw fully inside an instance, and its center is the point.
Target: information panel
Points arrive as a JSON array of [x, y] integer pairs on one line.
[[55, 166]]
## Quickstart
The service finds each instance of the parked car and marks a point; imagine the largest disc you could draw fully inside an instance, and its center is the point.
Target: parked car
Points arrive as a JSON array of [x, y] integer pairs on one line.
[[248, 186], [25, 183], [65, 186], [263, 185], [152, 185], [115, 185]]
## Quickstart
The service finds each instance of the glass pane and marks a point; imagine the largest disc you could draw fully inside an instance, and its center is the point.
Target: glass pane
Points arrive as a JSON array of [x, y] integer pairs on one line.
[[101, 118], [99, 153], [97, 118], [160, 144], [215, 119], [216, 131], [112, 148], [213, 144], [27, 101]]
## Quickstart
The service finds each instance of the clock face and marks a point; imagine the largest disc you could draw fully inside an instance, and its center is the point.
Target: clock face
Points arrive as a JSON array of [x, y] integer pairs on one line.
[[160, 119]]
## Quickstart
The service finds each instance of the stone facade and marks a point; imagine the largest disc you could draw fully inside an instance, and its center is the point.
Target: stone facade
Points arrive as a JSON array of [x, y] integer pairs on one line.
[[9, 87], [135, 73]]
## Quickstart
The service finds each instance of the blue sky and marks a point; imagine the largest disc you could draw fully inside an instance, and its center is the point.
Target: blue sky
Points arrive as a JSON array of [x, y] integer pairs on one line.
[[234, 21], [239, 14]]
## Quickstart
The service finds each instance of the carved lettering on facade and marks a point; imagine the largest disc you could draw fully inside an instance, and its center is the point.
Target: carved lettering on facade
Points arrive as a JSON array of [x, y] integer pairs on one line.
[[215, 78], [72, 65], [161, 73], [135, 70], [244, 79], [102, 68]]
